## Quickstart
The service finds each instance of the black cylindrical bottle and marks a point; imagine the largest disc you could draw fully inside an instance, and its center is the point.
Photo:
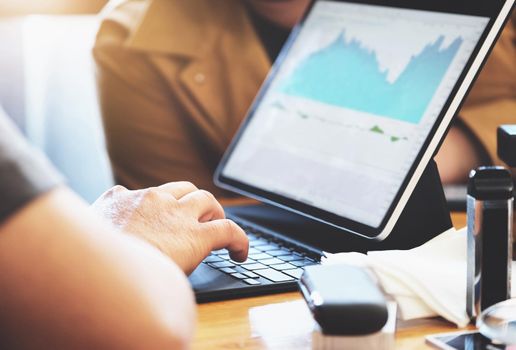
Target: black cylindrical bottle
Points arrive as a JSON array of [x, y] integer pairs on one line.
[[490, 210]]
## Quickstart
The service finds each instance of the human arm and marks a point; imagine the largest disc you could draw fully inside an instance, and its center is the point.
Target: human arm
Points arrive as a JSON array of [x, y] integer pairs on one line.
[[69, 281]]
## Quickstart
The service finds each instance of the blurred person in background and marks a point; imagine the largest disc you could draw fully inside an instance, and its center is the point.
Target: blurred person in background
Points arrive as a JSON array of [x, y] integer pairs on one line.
[[176, 78], [111, 276]]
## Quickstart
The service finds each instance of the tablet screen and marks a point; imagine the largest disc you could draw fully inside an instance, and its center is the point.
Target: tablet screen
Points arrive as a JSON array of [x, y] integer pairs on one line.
[[349, 108]]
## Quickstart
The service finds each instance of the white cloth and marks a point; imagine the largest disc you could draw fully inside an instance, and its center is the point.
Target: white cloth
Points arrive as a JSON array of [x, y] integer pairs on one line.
[[426, 281]]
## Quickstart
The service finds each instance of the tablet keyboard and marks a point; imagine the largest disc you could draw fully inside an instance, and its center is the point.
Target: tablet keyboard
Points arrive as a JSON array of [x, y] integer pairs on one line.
[[269, 257]]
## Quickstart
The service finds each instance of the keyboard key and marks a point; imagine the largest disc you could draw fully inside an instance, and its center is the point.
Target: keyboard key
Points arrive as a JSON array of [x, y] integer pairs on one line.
[[273, 275], [254, 267], [272, 261], [279, 252], [290, 258], [258, 242], [250, 274], [254, 251], [260, 256], [222, 264], [212, 259], [252, 282], [248, 261], [294, 273], [228, 270], [302, 263], [240, 269], [284, 266], [240, 276], [265, 248], [269, 257]]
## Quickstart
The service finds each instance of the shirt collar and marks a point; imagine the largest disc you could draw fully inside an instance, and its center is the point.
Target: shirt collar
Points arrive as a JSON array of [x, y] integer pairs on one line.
[[183, 28]]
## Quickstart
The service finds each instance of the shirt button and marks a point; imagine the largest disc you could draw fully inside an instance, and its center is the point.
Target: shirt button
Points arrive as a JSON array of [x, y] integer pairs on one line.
[[199, 78]]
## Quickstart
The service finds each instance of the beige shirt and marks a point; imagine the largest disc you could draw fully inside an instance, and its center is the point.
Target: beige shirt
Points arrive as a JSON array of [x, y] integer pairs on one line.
[[176, 79]]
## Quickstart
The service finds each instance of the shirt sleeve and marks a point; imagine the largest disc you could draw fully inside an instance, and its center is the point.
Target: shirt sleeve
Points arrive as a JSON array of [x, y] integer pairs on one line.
[[25, 173]]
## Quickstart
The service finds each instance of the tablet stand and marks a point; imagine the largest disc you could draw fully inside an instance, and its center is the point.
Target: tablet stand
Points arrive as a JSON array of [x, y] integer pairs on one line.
[[425, 216]]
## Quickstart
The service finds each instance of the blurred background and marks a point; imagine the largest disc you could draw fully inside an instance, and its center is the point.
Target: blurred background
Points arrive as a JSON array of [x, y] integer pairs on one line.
[[23, 7], [47, 85]]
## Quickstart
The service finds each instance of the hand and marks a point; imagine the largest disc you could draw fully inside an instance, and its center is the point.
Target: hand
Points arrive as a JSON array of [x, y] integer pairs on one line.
[[182, 221]]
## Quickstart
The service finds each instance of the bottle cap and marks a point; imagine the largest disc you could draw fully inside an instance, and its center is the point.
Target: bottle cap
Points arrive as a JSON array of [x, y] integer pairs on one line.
[[490, 183], [506, 138]]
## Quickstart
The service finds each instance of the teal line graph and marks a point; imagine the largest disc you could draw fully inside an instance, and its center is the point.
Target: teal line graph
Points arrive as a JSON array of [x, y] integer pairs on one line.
[[348, 75]]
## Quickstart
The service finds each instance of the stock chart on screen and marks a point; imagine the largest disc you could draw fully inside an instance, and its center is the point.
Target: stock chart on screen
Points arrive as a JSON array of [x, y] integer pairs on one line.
[[351, 105], [361, 83]]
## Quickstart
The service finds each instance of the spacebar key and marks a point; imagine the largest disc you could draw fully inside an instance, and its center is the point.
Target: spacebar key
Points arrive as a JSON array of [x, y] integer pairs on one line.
[[274, 275]]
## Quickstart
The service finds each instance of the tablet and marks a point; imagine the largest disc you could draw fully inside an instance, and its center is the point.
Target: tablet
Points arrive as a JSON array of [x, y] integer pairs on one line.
[[356, 106]]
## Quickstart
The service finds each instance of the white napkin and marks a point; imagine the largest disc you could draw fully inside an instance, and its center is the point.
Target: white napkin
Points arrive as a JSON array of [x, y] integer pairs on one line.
[[426, 281]]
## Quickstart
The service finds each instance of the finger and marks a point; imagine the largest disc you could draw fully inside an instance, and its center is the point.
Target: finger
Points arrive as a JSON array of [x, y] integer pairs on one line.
[[178, 189], [226, 234], [113, 191], [203, 205]]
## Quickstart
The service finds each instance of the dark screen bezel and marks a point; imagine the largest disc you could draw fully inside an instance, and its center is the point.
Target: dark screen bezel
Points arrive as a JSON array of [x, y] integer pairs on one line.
[[483, 9]]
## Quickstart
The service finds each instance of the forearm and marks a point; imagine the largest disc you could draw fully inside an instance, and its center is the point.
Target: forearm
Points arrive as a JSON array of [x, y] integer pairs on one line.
[[69, 281]]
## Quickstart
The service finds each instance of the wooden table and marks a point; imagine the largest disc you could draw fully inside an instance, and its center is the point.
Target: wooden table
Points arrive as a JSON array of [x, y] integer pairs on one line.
[[282, 321]]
